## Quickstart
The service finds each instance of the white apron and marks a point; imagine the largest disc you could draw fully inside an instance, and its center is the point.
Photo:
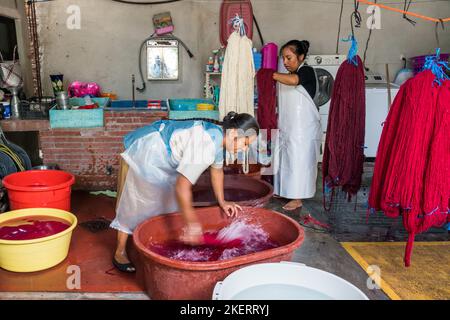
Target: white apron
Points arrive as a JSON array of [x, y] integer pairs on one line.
[[149, 188], [299, 144]]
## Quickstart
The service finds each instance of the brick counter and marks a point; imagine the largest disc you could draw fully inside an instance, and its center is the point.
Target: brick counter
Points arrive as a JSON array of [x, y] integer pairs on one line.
[[92, 154]]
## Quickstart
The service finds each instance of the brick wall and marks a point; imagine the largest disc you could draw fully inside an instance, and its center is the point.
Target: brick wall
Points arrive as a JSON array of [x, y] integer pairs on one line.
[[92, 154]]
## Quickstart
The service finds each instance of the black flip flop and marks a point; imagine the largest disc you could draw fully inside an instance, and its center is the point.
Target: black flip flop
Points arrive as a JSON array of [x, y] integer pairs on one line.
[[124, 267]]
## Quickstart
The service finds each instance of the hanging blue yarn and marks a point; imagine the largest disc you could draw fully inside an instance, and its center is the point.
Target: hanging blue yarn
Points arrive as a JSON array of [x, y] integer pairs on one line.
[[352, 53], [437, 67]]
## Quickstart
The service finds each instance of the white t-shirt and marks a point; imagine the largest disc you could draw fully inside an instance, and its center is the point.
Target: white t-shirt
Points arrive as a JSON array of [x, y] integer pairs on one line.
[[195, 151]]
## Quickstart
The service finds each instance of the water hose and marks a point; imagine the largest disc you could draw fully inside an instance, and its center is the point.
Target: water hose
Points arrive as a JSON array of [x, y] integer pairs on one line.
[[17, 161]]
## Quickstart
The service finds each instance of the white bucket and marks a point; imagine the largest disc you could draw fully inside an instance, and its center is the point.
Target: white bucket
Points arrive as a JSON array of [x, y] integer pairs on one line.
[[285, 281]]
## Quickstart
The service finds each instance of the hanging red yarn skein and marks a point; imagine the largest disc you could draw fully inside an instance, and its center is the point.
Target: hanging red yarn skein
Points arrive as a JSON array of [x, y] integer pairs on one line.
[[267, 97], [412, 174], [343, 157]]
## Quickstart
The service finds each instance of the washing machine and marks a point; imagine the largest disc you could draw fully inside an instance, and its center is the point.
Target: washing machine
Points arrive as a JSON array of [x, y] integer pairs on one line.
[[326, 67], [377, 109]]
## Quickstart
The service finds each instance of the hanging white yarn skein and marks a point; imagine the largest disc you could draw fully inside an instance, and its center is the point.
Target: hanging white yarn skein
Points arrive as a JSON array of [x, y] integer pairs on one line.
[[238, 72]]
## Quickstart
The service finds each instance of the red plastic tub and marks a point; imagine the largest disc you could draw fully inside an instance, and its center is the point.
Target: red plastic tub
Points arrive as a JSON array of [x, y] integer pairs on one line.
[[166, 278], [39, 189], [242, 190]]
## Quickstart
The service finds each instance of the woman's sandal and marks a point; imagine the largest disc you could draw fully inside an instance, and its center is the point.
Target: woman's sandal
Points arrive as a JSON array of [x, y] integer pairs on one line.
[[285, 207], [124, 267]]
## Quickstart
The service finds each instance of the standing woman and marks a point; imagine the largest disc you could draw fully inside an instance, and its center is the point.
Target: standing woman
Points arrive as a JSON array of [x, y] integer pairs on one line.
[[299, 125], [163, 161]]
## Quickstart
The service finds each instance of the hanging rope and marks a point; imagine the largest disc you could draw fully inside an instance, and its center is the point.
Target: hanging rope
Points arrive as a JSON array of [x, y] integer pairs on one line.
[[339, 27], [406, 9], [368, 38], [259, 31], [357, 16], [436, 31]]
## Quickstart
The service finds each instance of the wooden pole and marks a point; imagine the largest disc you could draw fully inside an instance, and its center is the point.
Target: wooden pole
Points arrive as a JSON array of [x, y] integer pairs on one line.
[[388, 80]]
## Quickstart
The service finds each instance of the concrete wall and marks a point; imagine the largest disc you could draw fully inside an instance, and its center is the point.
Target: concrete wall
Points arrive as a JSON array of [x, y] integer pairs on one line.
[[15, 9], [105, 49]]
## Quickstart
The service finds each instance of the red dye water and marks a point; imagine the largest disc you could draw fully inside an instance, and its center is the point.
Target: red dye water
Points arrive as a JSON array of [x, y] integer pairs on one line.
[[218, 245], [29, 228]]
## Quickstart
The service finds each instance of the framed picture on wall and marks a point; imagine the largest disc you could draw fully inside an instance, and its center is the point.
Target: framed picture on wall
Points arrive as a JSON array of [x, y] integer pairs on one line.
[[162, 59]]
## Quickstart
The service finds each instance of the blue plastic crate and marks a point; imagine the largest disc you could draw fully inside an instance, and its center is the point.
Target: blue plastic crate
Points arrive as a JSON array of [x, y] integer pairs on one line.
[[187, 109], [84, 118], [187, 104], [180, 115], [102, 102]]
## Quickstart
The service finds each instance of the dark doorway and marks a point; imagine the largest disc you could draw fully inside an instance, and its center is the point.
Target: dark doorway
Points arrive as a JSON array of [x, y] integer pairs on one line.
[[29, 141]]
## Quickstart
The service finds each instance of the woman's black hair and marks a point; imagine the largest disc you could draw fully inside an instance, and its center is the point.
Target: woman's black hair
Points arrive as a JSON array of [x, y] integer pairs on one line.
[[243, 121], [297, 46], [234, 120]]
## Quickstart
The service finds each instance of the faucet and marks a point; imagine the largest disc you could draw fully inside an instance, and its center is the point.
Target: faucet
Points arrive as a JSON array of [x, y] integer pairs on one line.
[[132, 88]]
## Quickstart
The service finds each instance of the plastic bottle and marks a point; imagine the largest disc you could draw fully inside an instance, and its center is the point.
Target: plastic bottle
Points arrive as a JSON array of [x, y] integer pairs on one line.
[[216, 64], [210, 64], [221, 59], [6, 110]]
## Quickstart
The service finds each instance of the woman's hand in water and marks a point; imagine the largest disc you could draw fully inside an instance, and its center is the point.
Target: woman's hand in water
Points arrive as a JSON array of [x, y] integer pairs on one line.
[[193, 234], [231, 209]]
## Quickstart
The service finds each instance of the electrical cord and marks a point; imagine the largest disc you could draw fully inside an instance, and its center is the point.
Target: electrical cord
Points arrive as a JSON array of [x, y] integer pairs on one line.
[[339, 27], [368, 39], [406, 8], [436, 32], [259, 31]]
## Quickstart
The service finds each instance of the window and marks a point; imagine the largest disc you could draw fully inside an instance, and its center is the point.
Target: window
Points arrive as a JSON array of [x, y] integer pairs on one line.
[[8, 39]]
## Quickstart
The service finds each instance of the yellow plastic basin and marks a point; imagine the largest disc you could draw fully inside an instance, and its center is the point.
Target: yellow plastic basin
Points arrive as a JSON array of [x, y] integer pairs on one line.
[[36, 254], [205, 107]]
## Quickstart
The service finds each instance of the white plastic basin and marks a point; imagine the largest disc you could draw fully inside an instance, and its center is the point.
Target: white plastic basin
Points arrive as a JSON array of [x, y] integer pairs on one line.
[[285, 281]]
